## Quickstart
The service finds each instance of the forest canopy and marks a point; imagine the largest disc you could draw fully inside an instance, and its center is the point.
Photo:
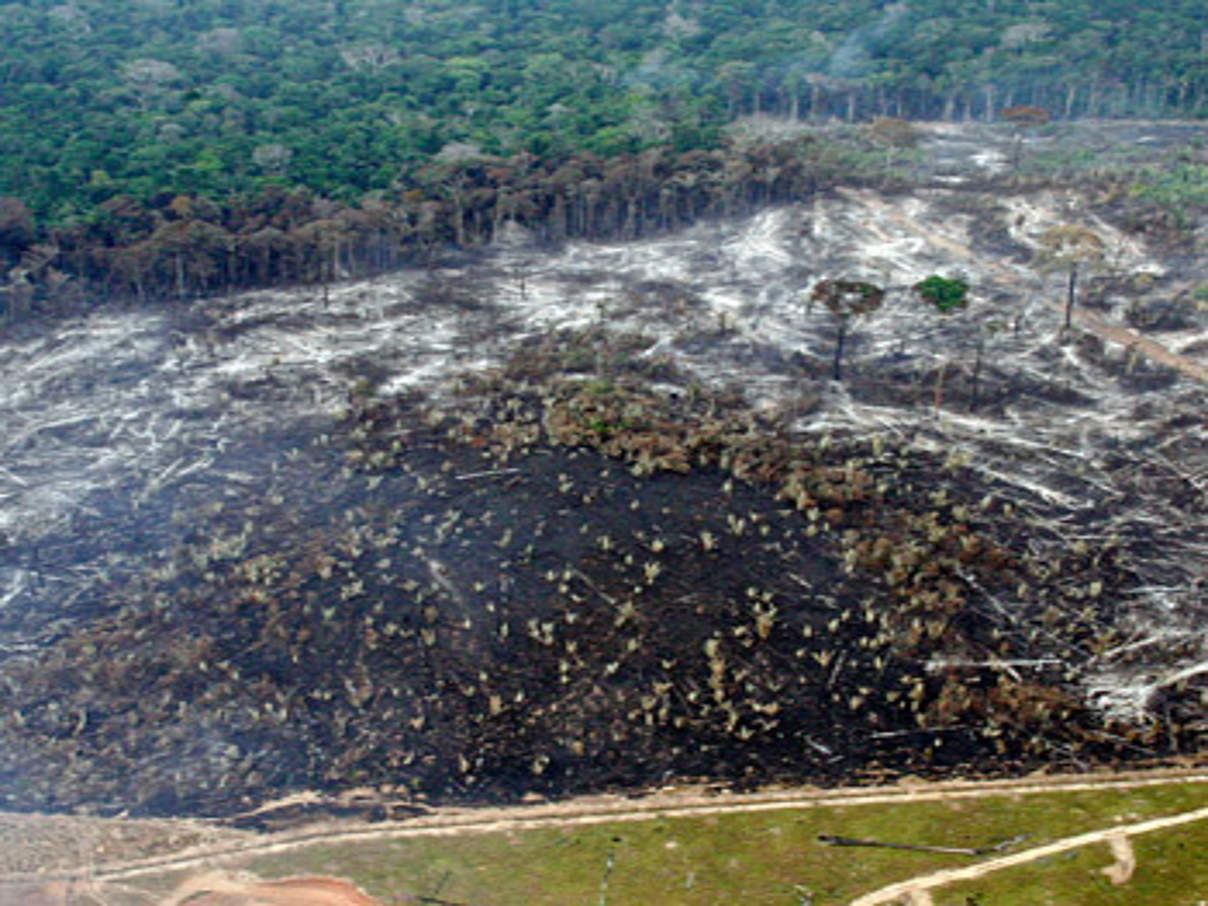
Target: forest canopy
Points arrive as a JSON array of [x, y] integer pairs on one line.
[[101, 98], [153, 148]]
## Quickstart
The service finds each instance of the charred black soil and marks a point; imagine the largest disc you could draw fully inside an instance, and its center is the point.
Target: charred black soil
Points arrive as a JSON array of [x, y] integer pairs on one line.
[[564, 581]]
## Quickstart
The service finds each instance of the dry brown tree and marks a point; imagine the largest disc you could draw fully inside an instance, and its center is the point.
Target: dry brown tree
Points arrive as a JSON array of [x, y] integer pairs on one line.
[[846, 299], [1066, 248], [1022, 117]]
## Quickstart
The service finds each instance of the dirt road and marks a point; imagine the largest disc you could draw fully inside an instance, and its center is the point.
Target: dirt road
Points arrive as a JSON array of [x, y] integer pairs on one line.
[[1116, 834]]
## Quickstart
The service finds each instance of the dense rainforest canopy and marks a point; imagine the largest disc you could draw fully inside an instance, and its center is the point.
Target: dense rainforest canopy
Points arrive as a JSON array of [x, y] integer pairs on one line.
[[112, 110]]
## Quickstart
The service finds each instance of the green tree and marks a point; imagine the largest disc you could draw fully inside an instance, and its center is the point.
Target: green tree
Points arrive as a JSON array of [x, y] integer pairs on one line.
[[945, 293]]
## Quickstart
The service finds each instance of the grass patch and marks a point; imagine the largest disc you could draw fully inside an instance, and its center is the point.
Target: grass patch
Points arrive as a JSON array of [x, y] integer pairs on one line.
[[774, 856]]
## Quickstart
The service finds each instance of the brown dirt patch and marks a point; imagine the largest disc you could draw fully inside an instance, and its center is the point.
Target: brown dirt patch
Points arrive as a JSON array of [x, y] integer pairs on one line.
[[219, 889]]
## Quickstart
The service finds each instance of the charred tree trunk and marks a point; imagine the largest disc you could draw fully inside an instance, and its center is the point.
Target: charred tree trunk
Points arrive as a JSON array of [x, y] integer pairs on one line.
[[1069, 297], [974, 382], [837, 368]]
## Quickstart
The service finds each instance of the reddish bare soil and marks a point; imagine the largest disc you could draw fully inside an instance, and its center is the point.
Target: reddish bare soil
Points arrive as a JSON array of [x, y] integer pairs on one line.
[[226, 890], [210, 889]]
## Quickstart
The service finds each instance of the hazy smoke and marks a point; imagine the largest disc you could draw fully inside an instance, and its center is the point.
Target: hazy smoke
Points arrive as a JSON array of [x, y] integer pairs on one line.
[[853, 60]]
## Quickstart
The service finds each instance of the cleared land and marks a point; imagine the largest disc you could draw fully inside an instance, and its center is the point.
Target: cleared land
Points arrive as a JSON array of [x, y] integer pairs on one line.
[[444, 533]]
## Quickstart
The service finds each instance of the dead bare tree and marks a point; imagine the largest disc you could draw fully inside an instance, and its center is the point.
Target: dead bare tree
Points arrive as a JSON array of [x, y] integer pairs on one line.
[[1022, 117], [988, 332], [846, 299], [1067, 247]]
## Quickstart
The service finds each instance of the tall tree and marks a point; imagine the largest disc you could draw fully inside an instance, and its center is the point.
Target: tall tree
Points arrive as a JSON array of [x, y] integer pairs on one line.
[[846, 300], [1023, 118], [947, 295], [16, 228], [1066, 248]]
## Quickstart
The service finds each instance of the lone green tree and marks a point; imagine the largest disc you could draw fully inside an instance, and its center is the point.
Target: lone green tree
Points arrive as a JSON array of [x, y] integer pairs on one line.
[[1066, 248], [847, 300], [947, 294]]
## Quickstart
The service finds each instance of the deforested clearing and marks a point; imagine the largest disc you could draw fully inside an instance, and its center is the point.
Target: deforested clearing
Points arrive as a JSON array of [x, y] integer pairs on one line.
[[594, 517]]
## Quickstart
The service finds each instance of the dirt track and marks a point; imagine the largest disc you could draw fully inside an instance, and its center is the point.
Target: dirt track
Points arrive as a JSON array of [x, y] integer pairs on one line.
[[913, 886], [1132, 340]]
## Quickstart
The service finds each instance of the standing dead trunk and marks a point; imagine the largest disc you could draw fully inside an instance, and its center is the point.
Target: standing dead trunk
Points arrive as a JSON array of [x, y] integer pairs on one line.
[[846, 299], [977, 367], [838, 363], [1069, 298]]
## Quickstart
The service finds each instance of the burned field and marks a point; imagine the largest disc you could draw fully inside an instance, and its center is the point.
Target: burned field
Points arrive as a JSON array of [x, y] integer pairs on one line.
[[568, 582], [600, 518]]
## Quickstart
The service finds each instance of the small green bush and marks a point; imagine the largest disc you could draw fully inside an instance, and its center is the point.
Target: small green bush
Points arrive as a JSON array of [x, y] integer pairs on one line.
[[945, 294]]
